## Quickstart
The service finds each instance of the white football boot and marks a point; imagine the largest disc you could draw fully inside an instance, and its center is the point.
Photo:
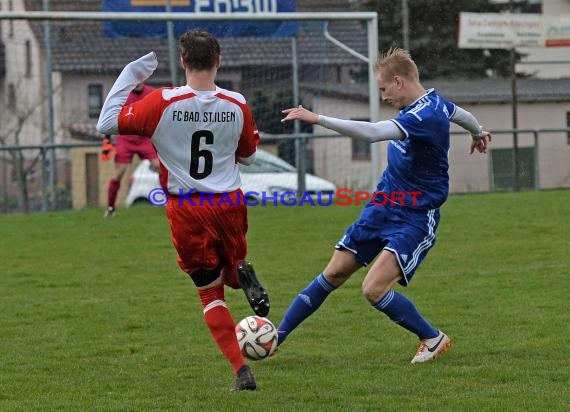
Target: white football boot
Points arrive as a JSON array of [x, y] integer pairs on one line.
[[430, 349]]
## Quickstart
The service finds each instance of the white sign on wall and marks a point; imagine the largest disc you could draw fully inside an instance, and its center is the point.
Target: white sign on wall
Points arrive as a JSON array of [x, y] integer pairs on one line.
[[556, 31], [506, 30], [499, 30]]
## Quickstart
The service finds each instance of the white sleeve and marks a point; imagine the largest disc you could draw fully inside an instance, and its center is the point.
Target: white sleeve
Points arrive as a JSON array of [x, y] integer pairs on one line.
[[134, 72], [466, 120], [247, 160], [373, 132]]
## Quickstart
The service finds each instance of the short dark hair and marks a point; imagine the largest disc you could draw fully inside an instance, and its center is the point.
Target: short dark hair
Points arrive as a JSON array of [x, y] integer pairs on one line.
[[199, 49]]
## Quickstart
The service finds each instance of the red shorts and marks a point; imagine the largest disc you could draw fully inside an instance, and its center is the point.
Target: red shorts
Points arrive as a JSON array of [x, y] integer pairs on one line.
[[127, 146], [209, 237]]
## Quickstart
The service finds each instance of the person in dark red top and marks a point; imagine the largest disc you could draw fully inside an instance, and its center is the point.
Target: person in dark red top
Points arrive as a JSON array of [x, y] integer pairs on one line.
[[126, 146]]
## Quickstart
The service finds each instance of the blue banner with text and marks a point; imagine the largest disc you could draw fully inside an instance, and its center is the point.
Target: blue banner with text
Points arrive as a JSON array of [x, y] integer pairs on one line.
[[228, 28]]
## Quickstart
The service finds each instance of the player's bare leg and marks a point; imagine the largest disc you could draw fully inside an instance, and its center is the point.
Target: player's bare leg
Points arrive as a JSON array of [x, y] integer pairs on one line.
[[381, 277], [342, 265]]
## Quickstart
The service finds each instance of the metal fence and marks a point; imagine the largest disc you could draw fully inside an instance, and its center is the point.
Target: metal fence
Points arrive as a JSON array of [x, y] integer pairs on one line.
[[56, 68], [82, 176]]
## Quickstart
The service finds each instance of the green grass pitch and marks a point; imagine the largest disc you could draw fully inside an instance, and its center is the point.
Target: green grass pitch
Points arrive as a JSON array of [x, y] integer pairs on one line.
[[97, 316]]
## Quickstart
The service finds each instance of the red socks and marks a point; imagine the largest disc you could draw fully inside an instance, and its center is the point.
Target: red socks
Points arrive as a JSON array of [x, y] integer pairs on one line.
[[221, 324], [114, 186]]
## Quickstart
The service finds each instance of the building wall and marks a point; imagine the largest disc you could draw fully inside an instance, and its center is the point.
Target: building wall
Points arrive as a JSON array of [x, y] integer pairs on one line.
[[555, 7], [550, 62], [468, 173], [333, 157], [554, 150], [29, 99]]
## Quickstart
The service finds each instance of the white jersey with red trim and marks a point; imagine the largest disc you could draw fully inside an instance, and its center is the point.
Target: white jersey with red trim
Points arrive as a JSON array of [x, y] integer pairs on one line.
[[199, 135]]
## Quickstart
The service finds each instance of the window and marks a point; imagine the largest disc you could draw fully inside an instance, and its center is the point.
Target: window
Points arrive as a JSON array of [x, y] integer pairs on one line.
[[531, 6], [28, 59], [11, 96], [360, 148], [10, 22], [568, 126], [95, 100]]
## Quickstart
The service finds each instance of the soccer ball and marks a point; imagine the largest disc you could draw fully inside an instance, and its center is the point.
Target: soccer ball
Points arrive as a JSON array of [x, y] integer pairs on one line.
[[257, 337]]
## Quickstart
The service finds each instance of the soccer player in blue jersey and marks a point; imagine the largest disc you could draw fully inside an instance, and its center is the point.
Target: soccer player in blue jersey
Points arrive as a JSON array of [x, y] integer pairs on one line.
[[399, 233]]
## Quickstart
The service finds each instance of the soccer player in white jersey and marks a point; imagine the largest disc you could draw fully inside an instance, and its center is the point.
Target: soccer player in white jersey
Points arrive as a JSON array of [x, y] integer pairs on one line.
[[201, 132], [397, 233]]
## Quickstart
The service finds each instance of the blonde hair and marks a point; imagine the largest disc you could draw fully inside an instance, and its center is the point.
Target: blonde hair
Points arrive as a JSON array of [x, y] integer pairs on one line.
[[398, 62]]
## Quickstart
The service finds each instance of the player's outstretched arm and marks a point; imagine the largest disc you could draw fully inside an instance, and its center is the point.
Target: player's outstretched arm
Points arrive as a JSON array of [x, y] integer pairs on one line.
[[300, 113], [371, 132], [135, 72]]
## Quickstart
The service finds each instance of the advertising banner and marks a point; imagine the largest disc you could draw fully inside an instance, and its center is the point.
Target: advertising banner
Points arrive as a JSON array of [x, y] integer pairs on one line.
[[242, 28], [499, 30]]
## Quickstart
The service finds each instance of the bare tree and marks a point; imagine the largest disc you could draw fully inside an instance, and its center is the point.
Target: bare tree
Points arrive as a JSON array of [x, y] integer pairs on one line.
[[17, 115]]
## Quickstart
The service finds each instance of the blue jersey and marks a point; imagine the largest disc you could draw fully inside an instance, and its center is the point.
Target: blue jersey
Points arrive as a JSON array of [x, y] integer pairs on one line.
[[419, 163]]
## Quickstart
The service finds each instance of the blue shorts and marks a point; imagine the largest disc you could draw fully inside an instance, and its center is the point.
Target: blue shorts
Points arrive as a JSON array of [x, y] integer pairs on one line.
[[408, 233]]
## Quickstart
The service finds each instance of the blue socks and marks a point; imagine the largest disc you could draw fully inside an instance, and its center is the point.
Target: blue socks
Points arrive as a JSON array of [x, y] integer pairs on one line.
[[402, 311], [303, 306], [397, 307]]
